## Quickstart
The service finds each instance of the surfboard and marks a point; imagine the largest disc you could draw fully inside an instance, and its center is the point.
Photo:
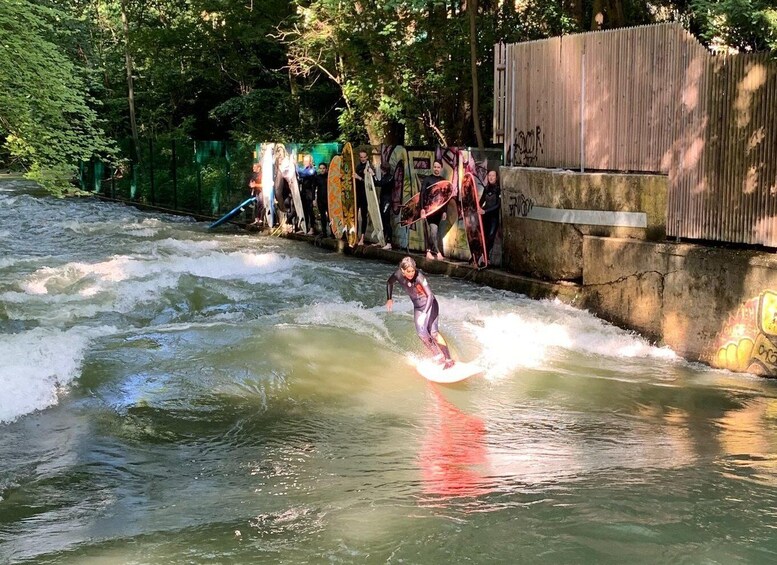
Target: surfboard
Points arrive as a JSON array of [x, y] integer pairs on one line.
[[373, 206], [232, 213], [398, 162], [435, 372], [268, 187], [334, 197], [473, 221], [289, 168], [348, 193], [441, 192], [279, 154]]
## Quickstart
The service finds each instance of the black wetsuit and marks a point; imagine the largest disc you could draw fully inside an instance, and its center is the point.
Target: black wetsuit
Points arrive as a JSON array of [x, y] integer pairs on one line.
[[426, 309], [432, 220], [361, 198], [490, 201], [322, 202], [386, 184], [307, 180]]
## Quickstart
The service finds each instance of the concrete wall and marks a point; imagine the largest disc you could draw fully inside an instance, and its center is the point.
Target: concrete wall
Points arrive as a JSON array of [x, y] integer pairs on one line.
[[546, 213], [709, 304], [606, 232]]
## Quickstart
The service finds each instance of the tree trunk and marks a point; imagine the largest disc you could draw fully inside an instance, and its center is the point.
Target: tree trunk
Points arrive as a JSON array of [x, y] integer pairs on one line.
[[130, 84], [472, 7]]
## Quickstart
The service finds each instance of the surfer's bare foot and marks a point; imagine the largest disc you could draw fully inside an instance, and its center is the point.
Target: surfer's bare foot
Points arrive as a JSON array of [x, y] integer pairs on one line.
[[440, 257], [449, 363], [387, 247], [429, 255]]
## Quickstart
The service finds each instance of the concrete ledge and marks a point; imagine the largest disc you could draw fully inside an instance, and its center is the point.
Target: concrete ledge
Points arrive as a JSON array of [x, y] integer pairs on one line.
[[546, 213]]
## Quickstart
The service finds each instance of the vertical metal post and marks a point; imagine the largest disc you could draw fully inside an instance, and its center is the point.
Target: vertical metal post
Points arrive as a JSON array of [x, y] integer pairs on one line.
[[175, 177], [582, 111], [151, 169], [199, 179]]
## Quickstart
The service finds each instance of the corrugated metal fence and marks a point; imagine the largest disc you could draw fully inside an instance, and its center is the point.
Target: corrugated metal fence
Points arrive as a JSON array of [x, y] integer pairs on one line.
[[650, 99]]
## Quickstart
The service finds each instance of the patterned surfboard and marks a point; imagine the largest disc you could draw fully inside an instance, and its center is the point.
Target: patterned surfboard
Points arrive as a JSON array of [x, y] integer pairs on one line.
[[334, 197], [398, 162], [473, 221], [441, 193], [348, 193], [289, 168], [373, 205]]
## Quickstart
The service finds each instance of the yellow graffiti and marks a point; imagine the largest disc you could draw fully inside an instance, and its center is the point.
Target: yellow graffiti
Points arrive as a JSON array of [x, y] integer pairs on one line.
[[745, 343], [768, 313]]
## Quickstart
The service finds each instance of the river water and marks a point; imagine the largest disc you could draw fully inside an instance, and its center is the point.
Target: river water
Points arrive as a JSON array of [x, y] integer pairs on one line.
[[169, 395]]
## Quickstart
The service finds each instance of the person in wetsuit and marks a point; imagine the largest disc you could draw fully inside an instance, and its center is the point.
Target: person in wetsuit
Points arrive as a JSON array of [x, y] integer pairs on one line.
[[426, 308], [363, 169], [432, 220], [490, 204], [386, 184]]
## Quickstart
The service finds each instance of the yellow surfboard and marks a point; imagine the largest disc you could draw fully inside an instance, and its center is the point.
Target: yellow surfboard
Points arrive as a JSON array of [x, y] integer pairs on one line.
[[348, 194]]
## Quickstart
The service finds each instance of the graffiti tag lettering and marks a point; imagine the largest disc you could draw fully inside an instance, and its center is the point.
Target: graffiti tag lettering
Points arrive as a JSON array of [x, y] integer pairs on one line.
[[527, 146], [520, 205]]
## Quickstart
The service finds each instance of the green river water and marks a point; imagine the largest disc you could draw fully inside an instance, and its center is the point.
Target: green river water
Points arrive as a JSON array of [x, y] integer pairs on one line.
[[170, 395]]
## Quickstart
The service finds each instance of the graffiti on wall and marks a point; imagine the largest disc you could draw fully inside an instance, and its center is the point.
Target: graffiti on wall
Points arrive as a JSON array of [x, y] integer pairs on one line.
[[748, 341], [519, 205], [526, 147]]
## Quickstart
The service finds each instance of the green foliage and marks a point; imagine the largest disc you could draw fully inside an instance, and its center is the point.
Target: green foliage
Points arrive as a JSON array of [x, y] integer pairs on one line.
[[46, 115], [747, 25]]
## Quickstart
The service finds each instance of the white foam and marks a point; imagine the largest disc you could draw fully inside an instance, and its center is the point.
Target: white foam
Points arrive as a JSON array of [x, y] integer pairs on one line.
[[527, 334], [122, 282], [39, 365]]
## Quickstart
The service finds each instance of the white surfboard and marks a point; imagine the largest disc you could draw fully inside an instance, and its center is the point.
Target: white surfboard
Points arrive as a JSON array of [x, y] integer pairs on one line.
[[289, 171], [268, 190], [458, 372], [373, 207]]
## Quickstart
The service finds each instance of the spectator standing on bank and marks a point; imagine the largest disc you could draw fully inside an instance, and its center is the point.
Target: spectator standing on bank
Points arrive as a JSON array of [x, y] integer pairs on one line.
[[322, 199], [362, 168], [386, 184], [307, 180], [432, 220], [490, 204]]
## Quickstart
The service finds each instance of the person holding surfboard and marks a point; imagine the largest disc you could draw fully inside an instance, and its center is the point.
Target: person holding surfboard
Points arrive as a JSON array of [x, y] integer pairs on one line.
[[426, 310], [362, 169], [432, 220], [490, 203], [386, 185]]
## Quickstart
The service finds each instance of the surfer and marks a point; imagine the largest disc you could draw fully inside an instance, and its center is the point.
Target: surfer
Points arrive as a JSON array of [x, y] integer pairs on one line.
[[432, 220], [491, 202], [362, 168], [426, 310]]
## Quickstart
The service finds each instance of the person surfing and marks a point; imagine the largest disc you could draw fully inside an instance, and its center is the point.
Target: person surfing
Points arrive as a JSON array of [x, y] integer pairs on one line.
[[425, 307]]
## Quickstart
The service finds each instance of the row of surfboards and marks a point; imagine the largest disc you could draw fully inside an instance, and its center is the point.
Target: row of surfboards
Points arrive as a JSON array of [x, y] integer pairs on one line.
[[278, 163]]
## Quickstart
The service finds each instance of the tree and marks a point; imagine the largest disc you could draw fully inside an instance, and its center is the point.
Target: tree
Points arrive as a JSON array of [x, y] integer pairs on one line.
[[745, 25], [47, 117]]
